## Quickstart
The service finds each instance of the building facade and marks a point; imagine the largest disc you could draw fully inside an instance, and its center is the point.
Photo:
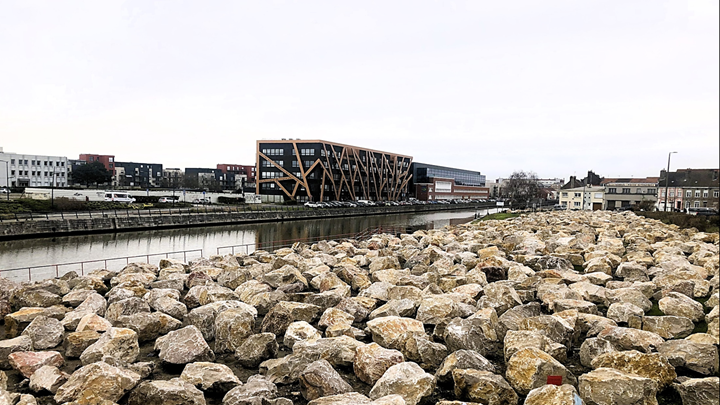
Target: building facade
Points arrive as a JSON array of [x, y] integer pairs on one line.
[[431, 182], [210, 179], [24, 170], [133, 174], [588, 198], [107, 160], [172, 178], [630, 192], [689, 188], [315, 170]]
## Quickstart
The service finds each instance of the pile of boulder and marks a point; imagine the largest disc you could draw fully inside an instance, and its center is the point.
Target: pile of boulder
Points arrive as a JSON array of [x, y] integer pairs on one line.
[[549, 308]]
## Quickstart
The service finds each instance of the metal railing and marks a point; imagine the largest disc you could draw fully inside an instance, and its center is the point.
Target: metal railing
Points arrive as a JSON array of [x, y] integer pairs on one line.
[[73, 266], [248, 248]]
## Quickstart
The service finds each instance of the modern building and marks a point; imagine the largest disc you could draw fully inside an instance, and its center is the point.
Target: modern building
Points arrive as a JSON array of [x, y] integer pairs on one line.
[[244, 170], [689, 188], [588, 198], [24, 170], [431, 182], [107, 160], [133, 174], [315, 170], [630, 192], [172, 178], [210, 179]]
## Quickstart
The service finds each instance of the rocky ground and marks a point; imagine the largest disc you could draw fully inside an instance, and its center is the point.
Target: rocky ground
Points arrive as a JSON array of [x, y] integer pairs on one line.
[[614, 308]]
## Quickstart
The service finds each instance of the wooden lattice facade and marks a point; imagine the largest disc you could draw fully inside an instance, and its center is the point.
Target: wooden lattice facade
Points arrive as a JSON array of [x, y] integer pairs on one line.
[[314, 170]]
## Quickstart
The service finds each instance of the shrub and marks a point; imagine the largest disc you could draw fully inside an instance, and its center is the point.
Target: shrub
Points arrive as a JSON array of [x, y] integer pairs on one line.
[[231, 200]]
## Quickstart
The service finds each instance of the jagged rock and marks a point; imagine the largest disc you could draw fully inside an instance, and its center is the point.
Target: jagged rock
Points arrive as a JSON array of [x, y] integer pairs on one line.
[[284, 313], [200, 295], [462, 359], [510, 320], [300, 331], [76, 297], [483, 386], [17, 321], [649, 365], [476, 334], [48, 378], [592, 348], [402, 308], [681, 305], [372, 360], [629, 295], [232, 327], [149, 326], [631, 339], [698, 357], [699, 391], [529, 368], [256, 349], [127, 306], [93, 322], [668, 327], [184, 346], [75, 343], [518, 340], [320, 379], [623, 311], [96, 382], [552, 394], [176, 391], [417, 347], [120, 344], [334, 316], [27, 362], [8, 346], [256, 390], [500, 297], [608, 386], [358, 307], [170, 306], [407, 380], [351, 398], [204, 317], [34, 297], [388, 331], [211, 377]]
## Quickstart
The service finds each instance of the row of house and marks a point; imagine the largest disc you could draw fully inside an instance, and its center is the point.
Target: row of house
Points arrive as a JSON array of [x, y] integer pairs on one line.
[[674, 191]]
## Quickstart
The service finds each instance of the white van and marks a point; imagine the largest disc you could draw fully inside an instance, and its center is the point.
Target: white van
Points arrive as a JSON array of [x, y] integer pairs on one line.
[[118, 196]]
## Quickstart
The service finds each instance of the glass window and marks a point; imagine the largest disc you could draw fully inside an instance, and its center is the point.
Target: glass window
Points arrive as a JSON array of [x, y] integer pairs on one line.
[[578, 195], [688, 193], [697, 193], [705, 193], [626, 191], [612, 190], [564, 194], [716, 193]]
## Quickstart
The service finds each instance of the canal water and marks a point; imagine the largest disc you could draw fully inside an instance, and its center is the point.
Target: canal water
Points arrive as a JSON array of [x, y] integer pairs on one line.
[[48, 257]]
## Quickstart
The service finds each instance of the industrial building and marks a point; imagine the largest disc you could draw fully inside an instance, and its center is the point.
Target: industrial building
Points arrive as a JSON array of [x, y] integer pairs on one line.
[[432, 182]]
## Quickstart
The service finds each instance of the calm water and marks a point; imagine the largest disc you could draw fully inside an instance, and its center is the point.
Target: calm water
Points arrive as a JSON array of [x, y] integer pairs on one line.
[[68, 251]]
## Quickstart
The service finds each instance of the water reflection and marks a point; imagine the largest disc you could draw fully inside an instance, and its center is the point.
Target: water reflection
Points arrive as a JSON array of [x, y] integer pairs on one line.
[[203, 241]]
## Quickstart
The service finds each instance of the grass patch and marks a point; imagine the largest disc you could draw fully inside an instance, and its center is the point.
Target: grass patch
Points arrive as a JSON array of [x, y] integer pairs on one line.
[[685, 221], [499, 216]]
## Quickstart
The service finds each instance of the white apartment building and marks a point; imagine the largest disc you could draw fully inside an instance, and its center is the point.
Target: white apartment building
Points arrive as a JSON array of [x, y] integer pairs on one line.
[[583, 198], [24, 170]]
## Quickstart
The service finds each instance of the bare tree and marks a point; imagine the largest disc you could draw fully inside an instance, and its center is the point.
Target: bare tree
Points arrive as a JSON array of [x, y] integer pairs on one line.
[[522, 188]]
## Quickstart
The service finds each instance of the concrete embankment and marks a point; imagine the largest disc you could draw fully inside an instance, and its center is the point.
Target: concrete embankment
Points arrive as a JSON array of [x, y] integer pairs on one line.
[[104, 223]]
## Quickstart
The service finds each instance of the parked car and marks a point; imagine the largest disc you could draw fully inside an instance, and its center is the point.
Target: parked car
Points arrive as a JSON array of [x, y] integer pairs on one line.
[[201, 201], [166, 200], [312, 204], [703, 211]]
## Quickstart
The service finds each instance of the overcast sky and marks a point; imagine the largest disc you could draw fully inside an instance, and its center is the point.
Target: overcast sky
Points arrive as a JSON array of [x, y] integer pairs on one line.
[[558, 87]]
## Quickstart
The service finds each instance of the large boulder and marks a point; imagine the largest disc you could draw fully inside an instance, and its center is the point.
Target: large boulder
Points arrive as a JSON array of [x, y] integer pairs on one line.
[[701, 358], [388, 331], [120, 344], [212, 377], [284, 313], [256, 349], [681, 305], [8, 346], [320, 379], [483, 386], [407, 380], [529, 368], [668, 327], [462, 359], [650, 365], [47, 378], [553, 394], [631, 339], [184, 346], [176, 391], [95, 383], [699, 391], [478, 334], [372, 360], [27, 362], [149, 326], [608, 386], [232, 327]]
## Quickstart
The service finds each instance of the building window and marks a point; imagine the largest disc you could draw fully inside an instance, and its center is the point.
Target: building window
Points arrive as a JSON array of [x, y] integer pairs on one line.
[[688, 193], [626, 191], [639, 191], [273, 152], [308, 163], [12, 161], [705, 194], [576, 204], [577, 195], [716, 193], [564, 194], [697, 204], [307, 152], [652, 191], [672, 193], [295, 163], [697, 193]]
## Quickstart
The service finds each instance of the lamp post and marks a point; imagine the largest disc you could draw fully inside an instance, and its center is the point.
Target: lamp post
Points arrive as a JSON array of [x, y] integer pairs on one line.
[[667, 181]]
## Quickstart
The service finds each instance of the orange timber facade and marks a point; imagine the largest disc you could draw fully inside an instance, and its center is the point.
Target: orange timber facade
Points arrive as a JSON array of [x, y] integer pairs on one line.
[[315, 170]]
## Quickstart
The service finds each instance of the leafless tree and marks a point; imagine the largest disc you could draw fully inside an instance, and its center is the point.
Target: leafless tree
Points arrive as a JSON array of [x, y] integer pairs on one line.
[[522, 188]]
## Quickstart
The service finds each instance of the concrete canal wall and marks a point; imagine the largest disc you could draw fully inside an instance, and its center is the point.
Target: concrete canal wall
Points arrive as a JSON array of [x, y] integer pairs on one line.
[[136, 221]]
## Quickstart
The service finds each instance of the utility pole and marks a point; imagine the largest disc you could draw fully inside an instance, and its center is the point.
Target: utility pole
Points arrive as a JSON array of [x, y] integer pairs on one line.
[[667, 180]]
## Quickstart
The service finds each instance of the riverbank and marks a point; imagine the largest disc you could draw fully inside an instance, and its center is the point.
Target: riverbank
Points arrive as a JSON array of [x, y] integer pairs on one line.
[[119, 221]]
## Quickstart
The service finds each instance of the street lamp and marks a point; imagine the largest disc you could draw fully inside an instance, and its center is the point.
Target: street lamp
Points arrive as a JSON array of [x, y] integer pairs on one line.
[[667, 180]]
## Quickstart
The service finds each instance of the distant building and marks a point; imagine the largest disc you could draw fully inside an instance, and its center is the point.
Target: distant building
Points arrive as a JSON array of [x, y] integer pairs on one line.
[[172, 178], [689, 188], [630, 192], [431, 182], [322, 171], [134, 174], [209, 179], [589, 198], [107, 160], [591, 179], [24, 170]]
